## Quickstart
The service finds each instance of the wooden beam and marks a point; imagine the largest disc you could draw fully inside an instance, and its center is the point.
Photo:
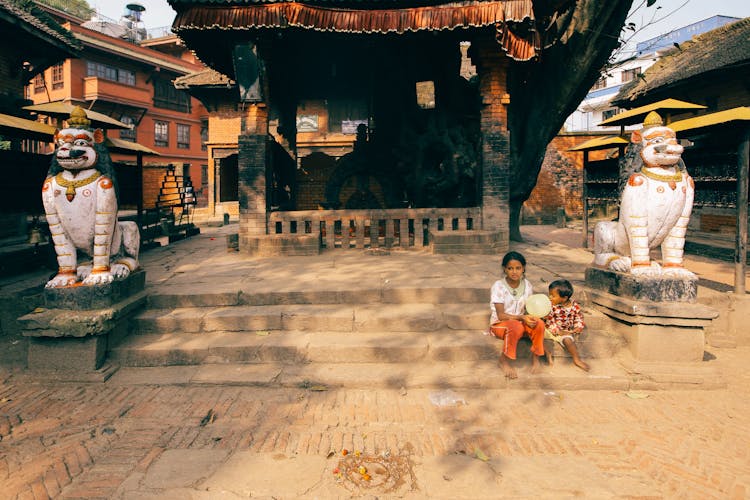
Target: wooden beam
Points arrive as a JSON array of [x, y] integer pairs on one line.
[[740, 255]]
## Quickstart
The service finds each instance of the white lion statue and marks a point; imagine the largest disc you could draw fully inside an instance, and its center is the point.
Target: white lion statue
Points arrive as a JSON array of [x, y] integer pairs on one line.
[[654, 209], [80, 201]]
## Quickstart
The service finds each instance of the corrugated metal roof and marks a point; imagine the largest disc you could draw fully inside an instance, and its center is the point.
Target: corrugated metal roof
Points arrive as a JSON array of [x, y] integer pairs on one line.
[[636, 115], [712, 119], [611, 141]]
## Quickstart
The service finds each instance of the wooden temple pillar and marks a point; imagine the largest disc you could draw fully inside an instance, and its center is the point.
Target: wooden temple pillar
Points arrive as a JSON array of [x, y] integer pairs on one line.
[[492, 68]]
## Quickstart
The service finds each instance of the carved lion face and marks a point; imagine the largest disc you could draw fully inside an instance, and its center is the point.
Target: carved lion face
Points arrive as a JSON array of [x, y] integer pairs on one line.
[[75, 148], [660, 147]]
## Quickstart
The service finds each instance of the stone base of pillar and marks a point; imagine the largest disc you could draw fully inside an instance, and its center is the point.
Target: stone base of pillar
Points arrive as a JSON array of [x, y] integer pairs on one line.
[[667, 330], [69, 339], [273, 245], [468, 242]]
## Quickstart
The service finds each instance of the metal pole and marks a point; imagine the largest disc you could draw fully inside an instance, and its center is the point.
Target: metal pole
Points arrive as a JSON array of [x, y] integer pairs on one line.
[[740, 255], [585, 201], [139, 204]]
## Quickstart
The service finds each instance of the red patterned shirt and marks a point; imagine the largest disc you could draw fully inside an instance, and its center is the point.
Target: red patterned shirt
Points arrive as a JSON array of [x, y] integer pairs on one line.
[[569, 318]]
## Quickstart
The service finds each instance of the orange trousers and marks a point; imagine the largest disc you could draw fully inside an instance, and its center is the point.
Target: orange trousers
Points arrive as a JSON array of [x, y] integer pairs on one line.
[[512, 330]]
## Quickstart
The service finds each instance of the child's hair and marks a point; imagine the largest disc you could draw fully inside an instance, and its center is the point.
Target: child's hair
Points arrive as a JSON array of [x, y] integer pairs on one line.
[[514, 256], [563, 287]]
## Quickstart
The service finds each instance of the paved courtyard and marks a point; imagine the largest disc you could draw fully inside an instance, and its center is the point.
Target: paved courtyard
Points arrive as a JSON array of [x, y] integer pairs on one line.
[[171, 441], [156, 437]]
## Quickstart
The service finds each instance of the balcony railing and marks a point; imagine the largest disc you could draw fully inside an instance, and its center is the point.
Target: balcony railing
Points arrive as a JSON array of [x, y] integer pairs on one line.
[[99, 88]]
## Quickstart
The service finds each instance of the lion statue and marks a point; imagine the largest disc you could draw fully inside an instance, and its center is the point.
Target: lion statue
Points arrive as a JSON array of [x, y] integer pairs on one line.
[[655, 208], [80, 200]]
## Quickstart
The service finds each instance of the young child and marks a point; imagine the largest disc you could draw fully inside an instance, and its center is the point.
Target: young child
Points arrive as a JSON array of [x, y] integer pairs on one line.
[[509, 319], [565, 320]]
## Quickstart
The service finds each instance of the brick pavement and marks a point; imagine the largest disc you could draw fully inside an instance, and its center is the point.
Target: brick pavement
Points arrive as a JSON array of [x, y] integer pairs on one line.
[[121, 441]]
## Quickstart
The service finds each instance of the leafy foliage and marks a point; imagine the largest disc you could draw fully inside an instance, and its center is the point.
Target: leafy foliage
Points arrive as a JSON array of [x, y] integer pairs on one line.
[[78, 8]]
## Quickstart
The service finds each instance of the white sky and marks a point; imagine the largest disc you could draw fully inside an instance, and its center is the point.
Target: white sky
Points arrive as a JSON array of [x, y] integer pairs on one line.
[[672, 14]]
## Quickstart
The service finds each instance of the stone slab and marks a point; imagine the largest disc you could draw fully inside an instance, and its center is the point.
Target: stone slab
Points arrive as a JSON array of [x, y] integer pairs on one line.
[[643, 288], [660, 343], [99, 375], [69, 354], [79, 297], [60, 323], [653, 312]]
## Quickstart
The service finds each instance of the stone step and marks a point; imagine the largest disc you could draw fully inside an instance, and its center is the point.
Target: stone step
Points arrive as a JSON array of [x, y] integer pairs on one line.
[[386, 295], [415, 317], [315, 317], [292, 347], [605, 374]]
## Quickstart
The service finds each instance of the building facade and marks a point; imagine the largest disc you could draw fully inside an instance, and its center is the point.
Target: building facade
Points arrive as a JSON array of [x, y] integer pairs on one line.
[[131, 79]]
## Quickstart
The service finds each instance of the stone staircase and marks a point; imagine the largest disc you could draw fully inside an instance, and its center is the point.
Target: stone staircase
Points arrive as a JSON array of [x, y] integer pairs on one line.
[[429, 337]]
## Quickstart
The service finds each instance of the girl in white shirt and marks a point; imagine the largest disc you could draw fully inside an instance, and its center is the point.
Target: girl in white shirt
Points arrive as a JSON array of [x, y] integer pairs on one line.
[[509, 319]]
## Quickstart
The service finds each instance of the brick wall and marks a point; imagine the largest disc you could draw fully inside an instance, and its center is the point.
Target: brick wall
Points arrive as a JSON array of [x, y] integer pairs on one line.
[[153, 175], [560, 182], [492, 67]]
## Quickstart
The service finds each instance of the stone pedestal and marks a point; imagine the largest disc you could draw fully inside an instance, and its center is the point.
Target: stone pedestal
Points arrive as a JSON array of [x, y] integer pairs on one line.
[[658, 316], [69, 336], [468, 242]]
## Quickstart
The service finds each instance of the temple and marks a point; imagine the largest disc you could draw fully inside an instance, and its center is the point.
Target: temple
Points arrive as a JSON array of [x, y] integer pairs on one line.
[[359, 126]]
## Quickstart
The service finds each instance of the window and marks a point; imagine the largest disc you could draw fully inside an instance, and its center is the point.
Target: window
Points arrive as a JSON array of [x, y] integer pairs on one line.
[[204, 134], [183, 136], [128, 135], [600, 83], [168, 97], [58, 76], [39, 83], [161, 134], [630, 74], [344, 115], [107, 72], [609, 113]]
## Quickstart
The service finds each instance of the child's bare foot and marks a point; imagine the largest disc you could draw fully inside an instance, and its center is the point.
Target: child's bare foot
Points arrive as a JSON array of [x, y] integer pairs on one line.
[[581, 364], [550, 359], [509, 371], [535, 365]]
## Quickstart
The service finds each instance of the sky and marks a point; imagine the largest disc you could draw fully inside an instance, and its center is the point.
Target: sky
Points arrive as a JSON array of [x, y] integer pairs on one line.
[[672, 14]]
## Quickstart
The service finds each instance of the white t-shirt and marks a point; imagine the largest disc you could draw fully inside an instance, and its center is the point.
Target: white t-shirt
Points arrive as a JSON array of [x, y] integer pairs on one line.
[[500, 294]]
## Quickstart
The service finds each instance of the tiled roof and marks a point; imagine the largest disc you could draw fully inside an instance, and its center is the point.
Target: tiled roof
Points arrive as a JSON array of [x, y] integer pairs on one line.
[[717, 49], [206, 78], [40, 21]]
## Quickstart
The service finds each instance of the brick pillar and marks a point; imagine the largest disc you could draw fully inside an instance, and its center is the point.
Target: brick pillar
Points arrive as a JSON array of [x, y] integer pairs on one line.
[[492, 68], [252, 186], [251, 170]]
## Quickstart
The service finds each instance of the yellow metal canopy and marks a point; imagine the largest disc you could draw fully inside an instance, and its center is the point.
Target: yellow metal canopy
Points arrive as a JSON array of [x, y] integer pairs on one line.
[[611, 141], [712, 119], [636, 115], [61, 109], [121, 146], [25, 129]]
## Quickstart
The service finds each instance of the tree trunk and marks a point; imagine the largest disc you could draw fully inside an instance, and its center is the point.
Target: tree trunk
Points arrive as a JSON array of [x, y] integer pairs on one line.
[[545, 92]]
